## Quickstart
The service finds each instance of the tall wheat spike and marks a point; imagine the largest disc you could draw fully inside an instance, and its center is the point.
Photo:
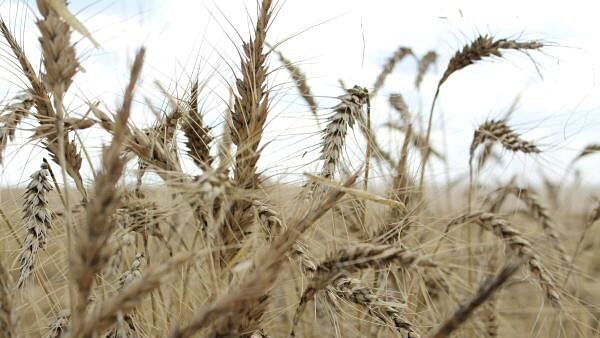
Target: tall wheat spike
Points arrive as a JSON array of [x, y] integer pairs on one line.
[[12, 115], [198, 136], [249, 114], [540, 213], [334, 135], [37, 222], [388, 312], [519, 246], [387, 69], [301, 83], [482, 47], [354, 259], [425, 62], [60, 66], [92, 253]]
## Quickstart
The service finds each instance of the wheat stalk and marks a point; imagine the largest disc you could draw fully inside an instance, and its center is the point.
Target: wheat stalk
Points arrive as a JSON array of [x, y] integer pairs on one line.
[[482, 47], [256, 285], [388, 312], [301, 83], [425, 62], [12, 115], [198, 136], [334, 135], [351, 260], [92, 253], [59, 327], [518, 245], [387, 69], [539, 212]]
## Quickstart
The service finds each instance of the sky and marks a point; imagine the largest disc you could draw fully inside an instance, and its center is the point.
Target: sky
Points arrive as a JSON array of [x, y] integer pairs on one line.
[[558, 105]]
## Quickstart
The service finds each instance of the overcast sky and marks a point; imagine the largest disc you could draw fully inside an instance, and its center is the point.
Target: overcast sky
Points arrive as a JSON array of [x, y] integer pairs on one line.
[[350, 40]]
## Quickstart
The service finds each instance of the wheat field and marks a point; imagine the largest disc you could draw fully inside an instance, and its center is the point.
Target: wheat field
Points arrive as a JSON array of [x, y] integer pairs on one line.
[[364, 245]]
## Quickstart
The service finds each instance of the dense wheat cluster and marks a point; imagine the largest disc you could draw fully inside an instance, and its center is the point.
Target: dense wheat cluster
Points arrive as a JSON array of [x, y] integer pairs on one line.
[[226, 251]]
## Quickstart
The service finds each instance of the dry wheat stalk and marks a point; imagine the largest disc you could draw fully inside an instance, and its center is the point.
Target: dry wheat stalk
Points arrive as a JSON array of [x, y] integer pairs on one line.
[[92, 253], [59, 327], [425, 62], [143, 217], [499, 131], [351, 290], [417, 140], [518, 245], [334, 135], [486, 290], [490, 312], [301, 83], [592, 218], [251, 105], [400, 184], [198, 136], [37, 221], [105, 314], [224, 148], [45, 112], [249, 115], [12, 115], [540, 213], [8, 318], [387, 69], [60, 62], [121, 240], [300, 253], [70, 124], [38, 89], [209, 197], [60, 65], [124, 328], [253, 288], [353, 259], [397, 102], [268, 218], [482, 47]]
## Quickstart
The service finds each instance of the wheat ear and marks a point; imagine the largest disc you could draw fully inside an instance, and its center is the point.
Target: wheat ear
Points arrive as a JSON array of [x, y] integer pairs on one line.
[[482, 47], [387, 69], [92, 254], [37, 221], [301, 83], [351, 290], [518, 245], [425, 62], [354, 259], [257, 284], [334, 135], [198, 136], [249, 115], [12, 115], [540, 213]]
